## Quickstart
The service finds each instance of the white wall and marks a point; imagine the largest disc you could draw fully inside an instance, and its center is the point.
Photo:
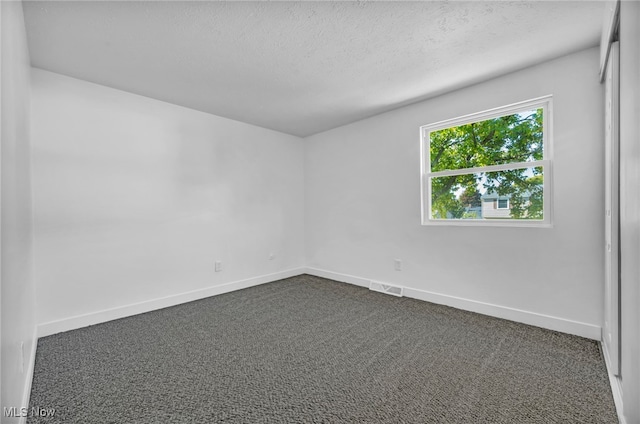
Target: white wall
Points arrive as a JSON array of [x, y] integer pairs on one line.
[[363, 204], [134, 199], [630, 207], [18, 292]]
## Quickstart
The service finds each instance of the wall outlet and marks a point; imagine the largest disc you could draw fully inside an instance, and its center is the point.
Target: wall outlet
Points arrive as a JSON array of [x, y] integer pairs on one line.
[[397, 263], [218, 266]]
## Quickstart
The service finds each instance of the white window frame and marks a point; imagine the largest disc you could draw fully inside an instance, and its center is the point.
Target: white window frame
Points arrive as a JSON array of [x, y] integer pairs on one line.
[[546, 103], [498, 203]]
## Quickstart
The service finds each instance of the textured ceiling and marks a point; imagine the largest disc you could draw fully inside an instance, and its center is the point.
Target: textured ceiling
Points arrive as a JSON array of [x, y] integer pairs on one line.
[[301, 67]]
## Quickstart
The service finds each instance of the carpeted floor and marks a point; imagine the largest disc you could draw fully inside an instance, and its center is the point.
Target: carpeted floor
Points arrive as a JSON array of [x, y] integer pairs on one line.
[[311, 350]]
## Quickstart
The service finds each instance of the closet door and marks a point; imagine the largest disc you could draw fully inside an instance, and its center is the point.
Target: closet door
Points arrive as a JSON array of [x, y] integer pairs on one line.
[[611, 331]]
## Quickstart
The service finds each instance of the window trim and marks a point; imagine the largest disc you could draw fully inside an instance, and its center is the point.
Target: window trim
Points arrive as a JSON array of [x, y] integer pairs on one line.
[[544, 102], [498, 203]]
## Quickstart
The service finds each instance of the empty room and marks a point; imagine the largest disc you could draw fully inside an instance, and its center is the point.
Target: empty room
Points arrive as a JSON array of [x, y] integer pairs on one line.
[[320, 212]]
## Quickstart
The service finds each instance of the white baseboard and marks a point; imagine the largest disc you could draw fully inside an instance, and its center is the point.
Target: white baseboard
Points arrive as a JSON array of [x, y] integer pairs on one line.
[[79, 321], [616, 384], [539, 320], [26, 393], [345, 278], [581, 329]]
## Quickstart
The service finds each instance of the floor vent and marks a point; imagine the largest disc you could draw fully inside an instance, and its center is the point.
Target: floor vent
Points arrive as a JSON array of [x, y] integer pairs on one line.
[[385, 288]]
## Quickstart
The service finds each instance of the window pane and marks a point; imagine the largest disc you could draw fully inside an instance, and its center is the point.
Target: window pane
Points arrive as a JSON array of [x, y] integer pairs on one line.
[[509, 194], [507, 139]]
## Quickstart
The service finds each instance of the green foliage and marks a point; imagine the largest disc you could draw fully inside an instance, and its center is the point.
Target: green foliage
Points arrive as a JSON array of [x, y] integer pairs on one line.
[[508, 139], [470, 198], [448, 206]]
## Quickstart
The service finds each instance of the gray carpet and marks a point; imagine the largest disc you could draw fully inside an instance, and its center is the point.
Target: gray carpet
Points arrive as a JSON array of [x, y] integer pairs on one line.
[[311, 350]]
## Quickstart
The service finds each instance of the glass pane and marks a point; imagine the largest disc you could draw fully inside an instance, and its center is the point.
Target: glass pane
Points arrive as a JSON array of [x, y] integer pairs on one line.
[[507, 139], [509, 194]]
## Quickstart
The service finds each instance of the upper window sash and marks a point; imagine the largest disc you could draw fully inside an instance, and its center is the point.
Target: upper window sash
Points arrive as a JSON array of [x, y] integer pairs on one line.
[[543, 102]]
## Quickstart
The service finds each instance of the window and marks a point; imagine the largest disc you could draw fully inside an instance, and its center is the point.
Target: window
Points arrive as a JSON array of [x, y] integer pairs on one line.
[[489, 168]]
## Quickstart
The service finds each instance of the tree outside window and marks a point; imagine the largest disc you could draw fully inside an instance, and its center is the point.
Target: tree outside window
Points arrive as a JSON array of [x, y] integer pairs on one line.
[[469, 160]]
